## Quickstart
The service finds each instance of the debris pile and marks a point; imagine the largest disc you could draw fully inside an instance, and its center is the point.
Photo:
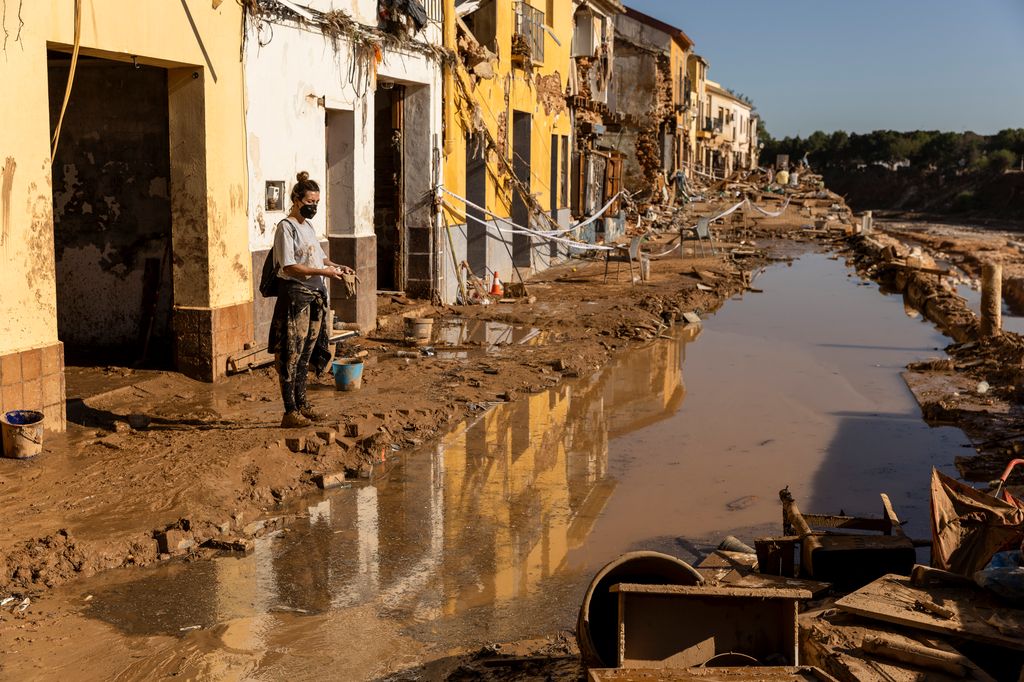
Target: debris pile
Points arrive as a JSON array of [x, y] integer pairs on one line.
[[854, 607]]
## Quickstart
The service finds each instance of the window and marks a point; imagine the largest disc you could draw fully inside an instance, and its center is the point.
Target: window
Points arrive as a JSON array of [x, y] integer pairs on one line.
[[565, 171], [529, 36], [549, 14]]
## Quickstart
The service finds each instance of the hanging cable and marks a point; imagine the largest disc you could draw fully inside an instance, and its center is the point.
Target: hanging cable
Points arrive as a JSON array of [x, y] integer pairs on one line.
[[71, 80]]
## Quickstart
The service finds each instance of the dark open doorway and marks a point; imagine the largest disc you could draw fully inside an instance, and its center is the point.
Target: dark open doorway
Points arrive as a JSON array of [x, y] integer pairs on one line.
[[112, 212], [476, 192], [388, 200], [522, 142]]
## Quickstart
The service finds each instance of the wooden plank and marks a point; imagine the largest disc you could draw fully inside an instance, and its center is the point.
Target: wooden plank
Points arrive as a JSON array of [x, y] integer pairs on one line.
[[704, 591], [976, 615], [751, 674], [831, 640]]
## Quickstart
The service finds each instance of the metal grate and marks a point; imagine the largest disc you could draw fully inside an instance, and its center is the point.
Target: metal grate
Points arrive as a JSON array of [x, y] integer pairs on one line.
[[530, 26]]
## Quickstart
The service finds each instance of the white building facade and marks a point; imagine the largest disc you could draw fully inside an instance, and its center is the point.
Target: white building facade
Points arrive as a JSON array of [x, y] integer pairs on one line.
[[355, 100]]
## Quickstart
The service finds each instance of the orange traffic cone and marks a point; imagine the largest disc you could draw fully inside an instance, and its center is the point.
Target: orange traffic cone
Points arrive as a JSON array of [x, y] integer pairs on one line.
[[496, 287]]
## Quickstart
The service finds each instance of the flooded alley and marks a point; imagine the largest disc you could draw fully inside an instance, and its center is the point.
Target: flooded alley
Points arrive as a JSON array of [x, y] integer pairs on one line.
[[493, 533]]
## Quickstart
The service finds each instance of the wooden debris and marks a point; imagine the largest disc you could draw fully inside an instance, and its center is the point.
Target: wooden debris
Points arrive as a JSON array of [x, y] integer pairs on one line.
[[974, 614], [838, 643]]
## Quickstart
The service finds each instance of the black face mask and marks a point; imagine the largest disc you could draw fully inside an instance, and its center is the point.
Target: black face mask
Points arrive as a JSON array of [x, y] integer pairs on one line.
[[307, 211]]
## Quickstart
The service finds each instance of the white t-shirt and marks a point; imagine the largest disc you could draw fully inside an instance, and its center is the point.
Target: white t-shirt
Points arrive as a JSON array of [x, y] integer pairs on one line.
[[296, 243]]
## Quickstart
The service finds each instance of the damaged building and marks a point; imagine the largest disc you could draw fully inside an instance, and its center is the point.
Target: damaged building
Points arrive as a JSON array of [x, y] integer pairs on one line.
[[122, 201], [141, 181], [507, 143], [351, 93], [731, 126], [649, 87], [596, 169]]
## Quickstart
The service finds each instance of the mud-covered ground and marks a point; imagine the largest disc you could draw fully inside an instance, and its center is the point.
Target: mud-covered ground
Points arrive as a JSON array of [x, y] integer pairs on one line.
[[153, 451], [150, 451]]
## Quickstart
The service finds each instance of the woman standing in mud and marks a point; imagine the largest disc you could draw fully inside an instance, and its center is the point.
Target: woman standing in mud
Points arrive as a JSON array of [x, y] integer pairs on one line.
[[299, 337]]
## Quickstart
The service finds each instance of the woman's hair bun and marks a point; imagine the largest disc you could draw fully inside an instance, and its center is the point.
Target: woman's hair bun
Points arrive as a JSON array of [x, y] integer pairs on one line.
[[302, 177]]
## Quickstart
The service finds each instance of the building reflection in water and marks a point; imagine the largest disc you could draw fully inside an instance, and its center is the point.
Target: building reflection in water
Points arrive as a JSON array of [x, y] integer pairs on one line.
[[478, 520]]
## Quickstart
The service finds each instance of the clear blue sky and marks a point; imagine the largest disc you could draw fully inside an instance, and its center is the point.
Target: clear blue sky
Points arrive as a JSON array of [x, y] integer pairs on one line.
[[862, 65]]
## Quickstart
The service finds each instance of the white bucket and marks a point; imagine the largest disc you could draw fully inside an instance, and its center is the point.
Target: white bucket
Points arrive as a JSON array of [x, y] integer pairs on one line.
[[22, 433], [418, 330]]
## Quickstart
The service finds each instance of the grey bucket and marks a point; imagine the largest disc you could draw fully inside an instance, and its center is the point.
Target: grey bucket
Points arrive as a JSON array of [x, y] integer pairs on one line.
[[22, 433]]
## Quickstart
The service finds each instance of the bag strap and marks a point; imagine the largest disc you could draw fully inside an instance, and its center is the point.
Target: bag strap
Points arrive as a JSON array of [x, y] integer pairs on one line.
[[295, 234]]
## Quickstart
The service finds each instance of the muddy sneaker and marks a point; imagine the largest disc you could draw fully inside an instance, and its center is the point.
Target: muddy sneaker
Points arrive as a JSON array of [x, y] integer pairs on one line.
[[309, 413], [294, 420]]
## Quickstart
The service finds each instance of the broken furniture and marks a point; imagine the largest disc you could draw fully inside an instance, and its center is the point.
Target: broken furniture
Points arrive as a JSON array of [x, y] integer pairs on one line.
[[831, 553], [679, 626], [623, 254], [597, 625], [854, 649], [701, 232]]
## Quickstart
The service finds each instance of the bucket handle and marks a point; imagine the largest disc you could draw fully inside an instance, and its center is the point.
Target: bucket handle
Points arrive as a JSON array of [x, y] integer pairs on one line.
[[30, 439]]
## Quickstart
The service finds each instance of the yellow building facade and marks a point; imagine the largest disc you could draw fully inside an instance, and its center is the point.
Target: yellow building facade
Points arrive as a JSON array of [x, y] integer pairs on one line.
[[507, 133], [697, 115], [67, 285]]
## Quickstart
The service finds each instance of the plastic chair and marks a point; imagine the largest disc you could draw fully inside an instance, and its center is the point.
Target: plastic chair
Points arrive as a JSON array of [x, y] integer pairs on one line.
[[701, 231], [623, 255]]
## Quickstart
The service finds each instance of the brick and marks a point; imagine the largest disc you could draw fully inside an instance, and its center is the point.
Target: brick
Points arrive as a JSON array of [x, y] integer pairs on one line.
[[314, 447], [31, 364], [297, 444], [244, 545], [174, 541], [10, 369], [327, 436], [326, 481]]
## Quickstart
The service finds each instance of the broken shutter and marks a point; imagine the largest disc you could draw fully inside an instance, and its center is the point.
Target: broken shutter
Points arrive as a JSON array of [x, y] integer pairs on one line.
[[613, 180]]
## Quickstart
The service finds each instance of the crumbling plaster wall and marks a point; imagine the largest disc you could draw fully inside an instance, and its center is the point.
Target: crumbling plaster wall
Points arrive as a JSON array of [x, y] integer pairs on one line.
[[512, 89], [216, 271]]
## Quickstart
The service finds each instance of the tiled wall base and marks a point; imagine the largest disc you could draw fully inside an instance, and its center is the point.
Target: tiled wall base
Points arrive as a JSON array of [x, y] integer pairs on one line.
[[34, 380], [205, 337]]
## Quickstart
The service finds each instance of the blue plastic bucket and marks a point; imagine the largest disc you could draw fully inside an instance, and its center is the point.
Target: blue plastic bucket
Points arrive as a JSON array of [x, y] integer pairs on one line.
[[22, 433], [348, 374]]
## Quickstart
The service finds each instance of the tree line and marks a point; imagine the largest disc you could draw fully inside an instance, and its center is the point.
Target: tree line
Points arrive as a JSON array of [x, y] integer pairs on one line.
[[928, 150]]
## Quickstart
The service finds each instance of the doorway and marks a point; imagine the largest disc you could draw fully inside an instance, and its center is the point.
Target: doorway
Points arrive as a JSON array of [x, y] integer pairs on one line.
[[476, 192], [521, 147], [112, 212], [388, 195]]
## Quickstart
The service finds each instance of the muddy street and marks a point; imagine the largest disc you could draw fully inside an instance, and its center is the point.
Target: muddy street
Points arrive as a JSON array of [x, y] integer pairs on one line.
[[492, 533]]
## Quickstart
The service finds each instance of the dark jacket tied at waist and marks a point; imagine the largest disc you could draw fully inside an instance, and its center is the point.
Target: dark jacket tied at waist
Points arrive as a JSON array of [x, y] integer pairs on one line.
[[295, 298]]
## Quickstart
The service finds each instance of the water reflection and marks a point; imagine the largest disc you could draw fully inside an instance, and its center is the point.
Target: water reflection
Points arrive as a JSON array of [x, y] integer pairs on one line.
[[481, 519]]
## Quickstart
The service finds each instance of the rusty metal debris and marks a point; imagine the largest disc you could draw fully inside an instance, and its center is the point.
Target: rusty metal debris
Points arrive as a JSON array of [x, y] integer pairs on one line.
[[835, 554]]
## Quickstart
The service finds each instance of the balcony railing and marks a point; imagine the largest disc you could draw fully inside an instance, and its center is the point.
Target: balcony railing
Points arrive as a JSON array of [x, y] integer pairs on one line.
[[712, 125], [434, 9], [529, 34]]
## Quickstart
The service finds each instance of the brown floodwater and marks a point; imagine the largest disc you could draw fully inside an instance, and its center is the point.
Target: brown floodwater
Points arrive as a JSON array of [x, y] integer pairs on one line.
[[493, 533]]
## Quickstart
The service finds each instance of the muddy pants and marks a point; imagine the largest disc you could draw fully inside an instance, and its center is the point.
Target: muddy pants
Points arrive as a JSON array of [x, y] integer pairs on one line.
[[300, 328]]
